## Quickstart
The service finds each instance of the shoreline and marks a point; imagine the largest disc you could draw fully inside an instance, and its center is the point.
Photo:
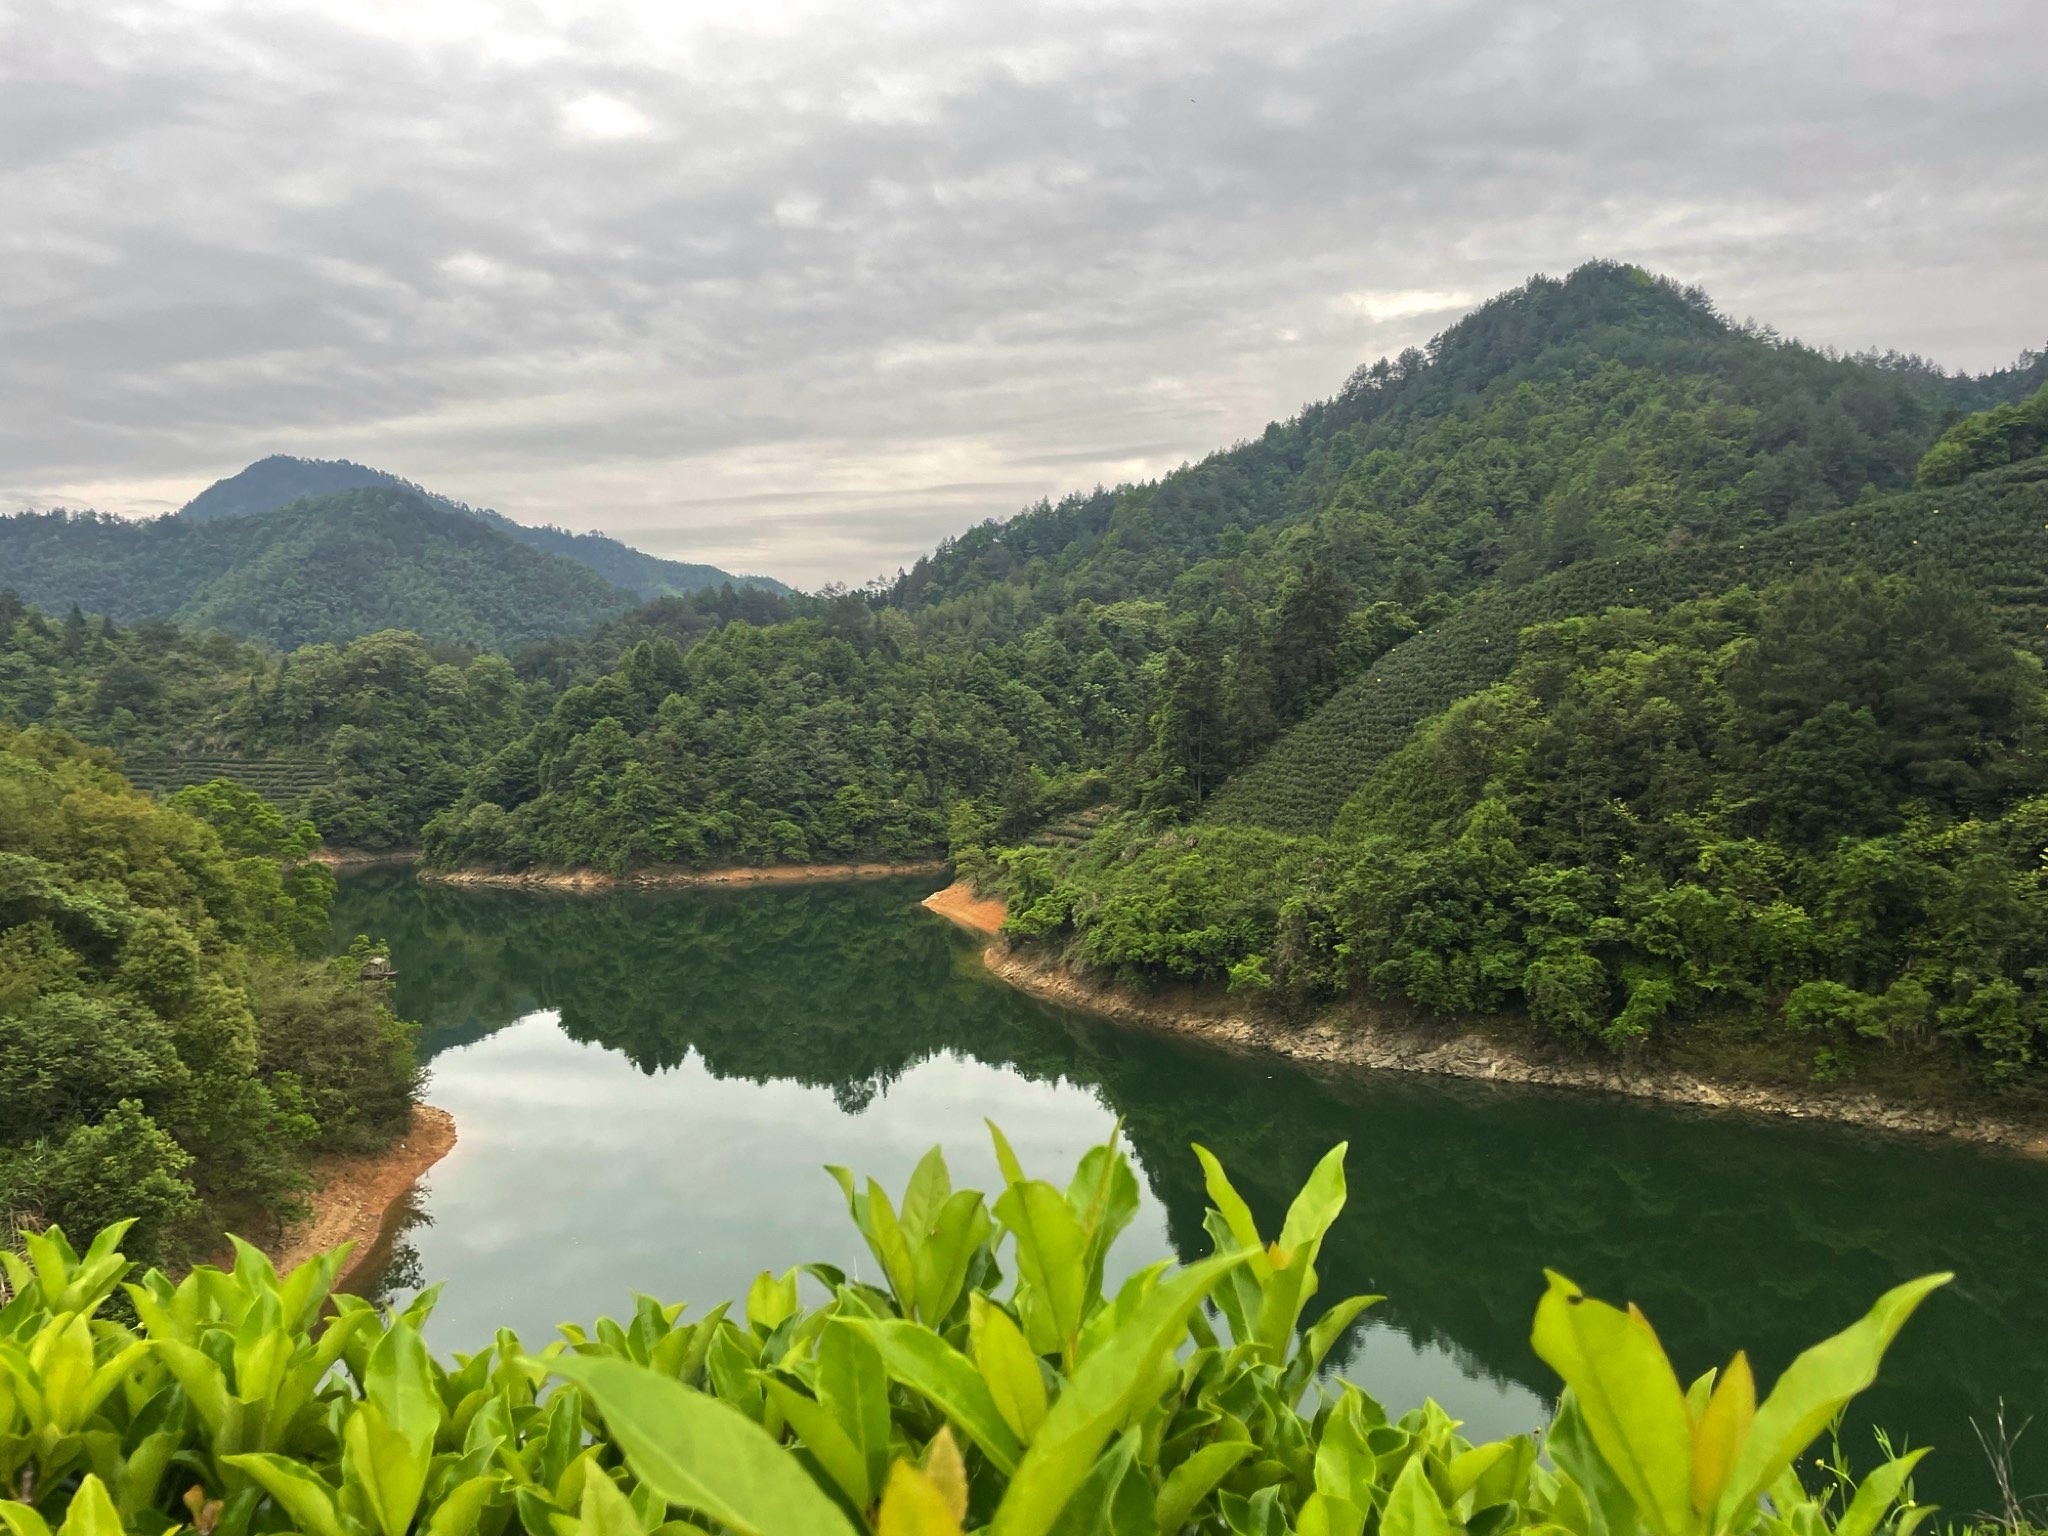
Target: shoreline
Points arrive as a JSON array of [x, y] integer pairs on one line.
[[358, 1194], [1330, 1042], [963, 905], [363, 858], [648, 879]]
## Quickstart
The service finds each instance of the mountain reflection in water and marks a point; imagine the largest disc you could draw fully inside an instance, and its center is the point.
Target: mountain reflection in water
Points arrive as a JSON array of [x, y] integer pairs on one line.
[[647, 1082]]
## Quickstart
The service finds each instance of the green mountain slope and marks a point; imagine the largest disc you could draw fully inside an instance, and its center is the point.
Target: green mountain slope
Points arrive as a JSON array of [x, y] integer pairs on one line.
[[325, 570], [1993, 531], [279, 480]]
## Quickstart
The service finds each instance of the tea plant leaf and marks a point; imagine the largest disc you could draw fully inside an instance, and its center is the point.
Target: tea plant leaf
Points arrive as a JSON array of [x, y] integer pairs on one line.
[[1007, 1366], [914, 1504], [604, 1511], [701, 1453], [1098, 1397], [932, 1368], [1195, 1479], [1876, 1494], [308, 1500], [1052, 1253], [1816, 1386], [1633, 1405], [1412, 1505], [1720, 1431]]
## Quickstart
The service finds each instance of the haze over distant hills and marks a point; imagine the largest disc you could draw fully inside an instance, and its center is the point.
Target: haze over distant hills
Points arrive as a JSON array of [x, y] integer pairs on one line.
[[279, 480], [299, 551]]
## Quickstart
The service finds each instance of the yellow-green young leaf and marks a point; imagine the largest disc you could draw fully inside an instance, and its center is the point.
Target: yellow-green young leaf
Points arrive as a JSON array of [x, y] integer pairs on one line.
[[915, 1505], [1720, 1432], [1236, 1214], [1814, 1388], [1875, 1494], [1195, 1479], [91, 1512], [1006, 1158], [1469, 1468], [400, 1381], [930, 1187], [922, 1361], [1323, 1515], [825, 1438], [947, 1469], [696, 1451], [771, 1301], [605, 1511], [1319, 1203], [1629, 1396], [20, 1519], [957, 1229], [459, 1513], [308, 1500], [1007, 1365], [1098, 1397], [1412, 1506], [854, 1387], [384, 1468], [1052, 1254]]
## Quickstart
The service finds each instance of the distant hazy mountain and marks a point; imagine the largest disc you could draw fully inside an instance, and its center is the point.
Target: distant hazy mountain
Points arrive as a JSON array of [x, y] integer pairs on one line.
[[326, 569], [280, 480]]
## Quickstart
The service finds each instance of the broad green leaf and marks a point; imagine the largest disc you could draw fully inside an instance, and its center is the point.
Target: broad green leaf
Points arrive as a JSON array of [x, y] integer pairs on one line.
[[930, 1187], [1097, 1399], [1008, 1366], [1006, 1157], [1412, 1505], [386, 1468], [1114, 1499], [1237, 1216], [400, 1381], [1719, 1432], [854, 1387], [1629, 1395], [91, 1511], [826, 1439], [945, 1250], [1052, 1254], [1589, 1486], [1815, 1387], [932, 1368], [604, 1511], [771, 1301], [1324, 1515], [308, 1500], [1195, 1479], [703, 1454], [459, 1512], [1876, 1494]]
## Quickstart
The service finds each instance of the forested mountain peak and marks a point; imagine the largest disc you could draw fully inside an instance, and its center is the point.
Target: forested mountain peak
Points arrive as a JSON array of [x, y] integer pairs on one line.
[[278, 481]]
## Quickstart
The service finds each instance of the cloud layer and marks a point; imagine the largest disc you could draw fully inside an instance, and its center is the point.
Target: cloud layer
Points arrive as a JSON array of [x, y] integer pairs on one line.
[[804, 287]]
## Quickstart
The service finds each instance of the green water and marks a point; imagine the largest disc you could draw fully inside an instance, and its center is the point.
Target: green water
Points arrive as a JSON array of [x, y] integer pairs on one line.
[[647, 1085]]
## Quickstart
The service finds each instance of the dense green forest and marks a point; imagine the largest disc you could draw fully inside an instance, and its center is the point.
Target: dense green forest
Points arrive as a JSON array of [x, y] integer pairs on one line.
[[167, 1051], [324, 570], [280, 480], [1238, 672]]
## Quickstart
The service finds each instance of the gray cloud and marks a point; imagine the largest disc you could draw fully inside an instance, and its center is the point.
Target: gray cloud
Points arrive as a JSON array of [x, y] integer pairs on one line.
[[804, 287]]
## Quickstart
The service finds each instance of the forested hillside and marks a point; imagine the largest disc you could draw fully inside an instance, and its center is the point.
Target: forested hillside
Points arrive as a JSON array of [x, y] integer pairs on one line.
[[280, 480], [327, 570], [165, 1052], [1213, 666]]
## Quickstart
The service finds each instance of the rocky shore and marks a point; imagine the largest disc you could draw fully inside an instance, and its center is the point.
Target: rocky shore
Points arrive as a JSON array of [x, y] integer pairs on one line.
[[1394, 1044], [356, 1195], [639, 879]]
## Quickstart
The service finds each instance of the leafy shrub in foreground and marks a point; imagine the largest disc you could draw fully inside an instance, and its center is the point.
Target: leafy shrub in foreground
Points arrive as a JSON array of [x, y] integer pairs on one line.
[[928, 1404]]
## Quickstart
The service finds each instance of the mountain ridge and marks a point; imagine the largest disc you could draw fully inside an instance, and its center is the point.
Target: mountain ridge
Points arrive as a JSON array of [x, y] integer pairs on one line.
[[278, 480]]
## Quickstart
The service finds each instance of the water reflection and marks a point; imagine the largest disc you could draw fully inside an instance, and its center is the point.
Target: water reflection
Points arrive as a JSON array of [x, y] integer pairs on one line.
[[647, 1084]]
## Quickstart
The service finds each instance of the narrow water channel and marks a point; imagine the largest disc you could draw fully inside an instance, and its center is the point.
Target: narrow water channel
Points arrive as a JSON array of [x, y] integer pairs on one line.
[[649, 1084]]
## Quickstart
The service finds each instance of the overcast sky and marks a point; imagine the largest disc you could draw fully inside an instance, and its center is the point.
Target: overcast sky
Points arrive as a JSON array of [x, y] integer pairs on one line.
[[803, 288]]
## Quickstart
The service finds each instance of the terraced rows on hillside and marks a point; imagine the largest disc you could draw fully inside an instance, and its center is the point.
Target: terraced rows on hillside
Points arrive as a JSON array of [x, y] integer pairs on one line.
[[1993, 530], [283, 781]]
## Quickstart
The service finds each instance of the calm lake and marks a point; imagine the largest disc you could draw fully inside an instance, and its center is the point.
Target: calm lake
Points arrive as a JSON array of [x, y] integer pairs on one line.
[[649, 1084]]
